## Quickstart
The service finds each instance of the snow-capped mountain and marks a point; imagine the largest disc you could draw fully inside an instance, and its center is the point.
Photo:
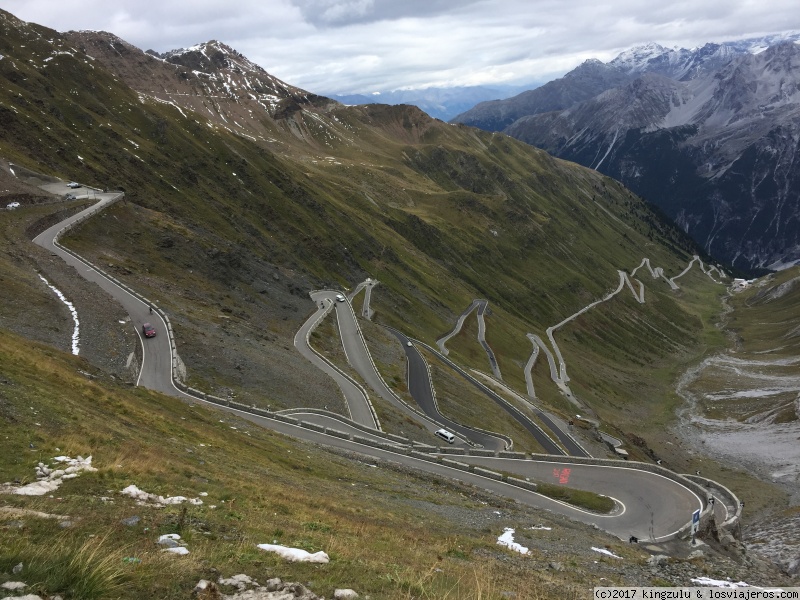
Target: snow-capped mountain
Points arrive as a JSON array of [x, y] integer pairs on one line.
[[711, 135], [676, 63]]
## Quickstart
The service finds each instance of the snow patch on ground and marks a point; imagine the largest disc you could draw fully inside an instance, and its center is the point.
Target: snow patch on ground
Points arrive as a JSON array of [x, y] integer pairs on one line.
[[143, 497], [606, 552], [76, 331], [708, 582], [507, 540], [295, 554], [50, 479]]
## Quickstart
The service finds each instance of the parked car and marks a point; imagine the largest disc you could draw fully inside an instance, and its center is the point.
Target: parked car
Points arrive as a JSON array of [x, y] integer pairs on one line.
[[148, 330], [70, 197], [73, 185], [12, 205]]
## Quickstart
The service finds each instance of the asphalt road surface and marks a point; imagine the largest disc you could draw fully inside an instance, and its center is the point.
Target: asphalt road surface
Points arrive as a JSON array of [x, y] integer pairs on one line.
[[359, 358], [156, 372], [652, 506], [420, 388], [356, 397]]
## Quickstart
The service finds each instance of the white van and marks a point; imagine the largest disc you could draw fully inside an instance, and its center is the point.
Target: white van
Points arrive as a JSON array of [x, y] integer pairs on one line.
[[446, 435]]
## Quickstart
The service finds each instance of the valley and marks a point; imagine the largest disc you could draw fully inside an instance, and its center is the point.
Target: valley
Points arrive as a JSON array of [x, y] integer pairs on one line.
[[231, 218]]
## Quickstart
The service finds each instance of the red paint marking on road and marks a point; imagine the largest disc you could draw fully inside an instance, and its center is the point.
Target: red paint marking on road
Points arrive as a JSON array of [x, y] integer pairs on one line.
[[562, 475]]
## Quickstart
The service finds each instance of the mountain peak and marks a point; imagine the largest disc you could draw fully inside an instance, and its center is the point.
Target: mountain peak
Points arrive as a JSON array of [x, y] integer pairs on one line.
[[637, 59], [185, 76], [209, 57]]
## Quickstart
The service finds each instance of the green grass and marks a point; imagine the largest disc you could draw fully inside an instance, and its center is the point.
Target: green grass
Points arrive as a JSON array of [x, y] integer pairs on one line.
[[439, 214], [372, 522], [580, 498], [459, 400], [78, 569], [575, 497], [455, 214]]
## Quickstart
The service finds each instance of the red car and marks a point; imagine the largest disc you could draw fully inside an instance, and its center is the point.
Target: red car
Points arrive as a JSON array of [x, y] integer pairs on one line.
[[148, 330]]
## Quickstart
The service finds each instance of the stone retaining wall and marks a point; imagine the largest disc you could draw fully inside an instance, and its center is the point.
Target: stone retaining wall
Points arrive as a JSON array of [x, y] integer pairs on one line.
[[338, 434], [312, 426], [456, 465], [479, 452], [487, 473], [527, 485], [423, 456], [518, 455], [458, 451]]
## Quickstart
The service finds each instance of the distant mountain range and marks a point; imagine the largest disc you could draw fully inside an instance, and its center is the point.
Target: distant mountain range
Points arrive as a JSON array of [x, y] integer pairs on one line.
[[440, 103], [241, 194], [710, 135]]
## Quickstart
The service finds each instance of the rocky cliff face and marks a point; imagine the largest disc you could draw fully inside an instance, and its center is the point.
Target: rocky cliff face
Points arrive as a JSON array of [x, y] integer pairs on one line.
[[710, 136], [582, 83]]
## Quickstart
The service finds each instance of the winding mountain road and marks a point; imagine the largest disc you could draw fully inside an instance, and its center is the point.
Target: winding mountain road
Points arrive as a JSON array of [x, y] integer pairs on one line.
[[559, 374], [359, 358], [482, 306], [156, 369], [356, 398], [421, 389], [652, 506]]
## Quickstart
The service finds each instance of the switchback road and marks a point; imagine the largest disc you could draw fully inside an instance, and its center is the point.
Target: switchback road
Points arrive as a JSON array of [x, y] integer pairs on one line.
[[655, 506]]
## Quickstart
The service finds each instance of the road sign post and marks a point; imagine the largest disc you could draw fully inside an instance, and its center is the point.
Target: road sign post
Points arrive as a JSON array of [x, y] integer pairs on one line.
[[695, 525]]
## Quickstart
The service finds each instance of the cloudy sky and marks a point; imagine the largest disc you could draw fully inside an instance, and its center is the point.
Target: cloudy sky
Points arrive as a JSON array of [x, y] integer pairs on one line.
[[338, 46]]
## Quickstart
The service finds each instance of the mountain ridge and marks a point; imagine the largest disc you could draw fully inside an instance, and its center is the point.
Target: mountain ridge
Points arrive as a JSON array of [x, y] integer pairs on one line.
[[234, 210], [693, 120], [439, 102], [391, 181]]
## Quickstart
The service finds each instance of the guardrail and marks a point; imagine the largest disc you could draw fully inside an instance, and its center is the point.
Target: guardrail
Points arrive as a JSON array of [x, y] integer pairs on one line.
[[731, 498], [325, 359], [92, 211], [533, 407], [408, 447], [509, 443], [485, 389], [375, 368], [349, 422]]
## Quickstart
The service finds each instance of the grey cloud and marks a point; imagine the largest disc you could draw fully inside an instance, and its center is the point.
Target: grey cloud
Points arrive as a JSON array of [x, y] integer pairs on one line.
[[369, 45], [348, 12]]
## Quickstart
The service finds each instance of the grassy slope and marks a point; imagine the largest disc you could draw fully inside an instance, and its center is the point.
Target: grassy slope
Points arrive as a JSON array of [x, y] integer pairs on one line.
[[265, 487], [229, 235]]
